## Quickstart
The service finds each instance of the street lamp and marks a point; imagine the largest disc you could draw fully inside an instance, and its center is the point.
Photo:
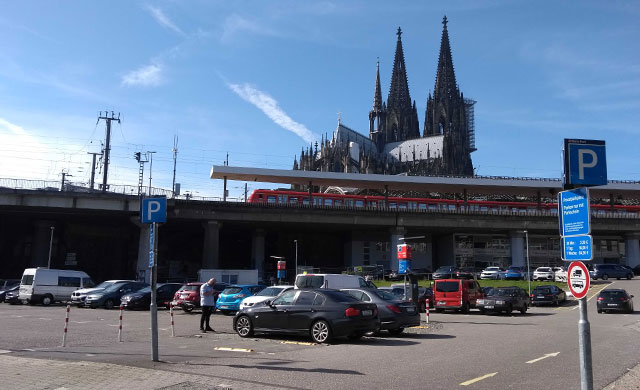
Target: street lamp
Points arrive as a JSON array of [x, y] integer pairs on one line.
[[296, 241], [277, 258], [50, 246], [526, 235]]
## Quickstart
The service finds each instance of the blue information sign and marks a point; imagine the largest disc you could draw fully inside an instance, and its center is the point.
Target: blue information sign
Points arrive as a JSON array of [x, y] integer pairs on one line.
[[585, 162], [577, 248], [404, 266], [282, 274], [153, 210], [573, 212]]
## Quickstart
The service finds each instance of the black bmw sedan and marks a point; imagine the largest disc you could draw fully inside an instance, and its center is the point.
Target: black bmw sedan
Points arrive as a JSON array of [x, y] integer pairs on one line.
[[320, 313], [395, 314]]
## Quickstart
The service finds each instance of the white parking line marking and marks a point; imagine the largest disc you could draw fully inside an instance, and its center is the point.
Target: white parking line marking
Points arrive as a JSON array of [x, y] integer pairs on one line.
[[45, 319], [469, 382], [233, 349], [2, 351], [546, 355], [81, 322]]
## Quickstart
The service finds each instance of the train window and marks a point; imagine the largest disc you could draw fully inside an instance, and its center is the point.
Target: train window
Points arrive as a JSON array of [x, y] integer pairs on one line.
[[271, 199], [373, 203], [349, 202], [282, 199], [305, 200], [359, 203], [392, 205], [413, 205], [337, 202], [484, 208], [422, 206], [317, 201], [293, 200], [402, 206], [452, 207], [328, 202], [433, 207]]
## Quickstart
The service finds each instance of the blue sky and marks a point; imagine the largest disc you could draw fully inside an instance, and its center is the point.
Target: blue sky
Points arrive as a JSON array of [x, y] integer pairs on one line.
[[261, 80]]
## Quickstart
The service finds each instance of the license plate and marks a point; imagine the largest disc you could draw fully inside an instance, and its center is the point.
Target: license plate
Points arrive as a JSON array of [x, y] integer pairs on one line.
[[612, 304], [224, 307], [411, 310], [541, 297], [441, 303], [367, 312], [488, 307]]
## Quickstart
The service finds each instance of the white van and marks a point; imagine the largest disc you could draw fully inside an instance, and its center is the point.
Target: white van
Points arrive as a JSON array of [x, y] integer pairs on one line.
[[46, 285], [335, 281]]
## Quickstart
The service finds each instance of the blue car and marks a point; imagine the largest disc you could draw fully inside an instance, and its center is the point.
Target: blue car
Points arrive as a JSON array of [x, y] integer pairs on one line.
[[514, 273], [230, 298]]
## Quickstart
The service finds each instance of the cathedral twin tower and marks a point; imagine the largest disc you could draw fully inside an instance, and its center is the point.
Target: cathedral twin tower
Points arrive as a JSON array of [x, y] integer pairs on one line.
[[394, 145]]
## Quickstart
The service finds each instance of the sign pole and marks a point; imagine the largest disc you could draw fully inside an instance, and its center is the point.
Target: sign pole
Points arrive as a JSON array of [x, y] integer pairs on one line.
[[154, 278], [584, 343]]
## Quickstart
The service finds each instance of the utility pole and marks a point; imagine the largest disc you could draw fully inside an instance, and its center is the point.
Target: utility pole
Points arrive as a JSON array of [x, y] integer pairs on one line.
[[245, 192], [141, 159], [107, 148], [175, 158], [93, 168], [64, 175], [150, 155]]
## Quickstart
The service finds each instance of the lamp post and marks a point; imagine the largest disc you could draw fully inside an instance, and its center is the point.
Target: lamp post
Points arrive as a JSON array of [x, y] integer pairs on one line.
[[50, 246], [296, 242], [526, 235]]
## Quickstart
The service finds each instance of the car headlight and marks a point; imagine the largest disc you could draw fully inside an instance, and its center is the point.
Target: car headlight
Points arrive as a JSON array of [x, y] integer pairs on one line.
[[480, 302], [499, 302], [93, 297]]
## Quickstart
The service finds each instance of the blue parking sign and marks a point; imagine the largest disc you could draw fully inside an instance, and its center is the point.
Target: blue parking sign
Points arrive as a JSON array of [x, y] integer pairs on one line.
[[585, 162], [577, 248], [573, 212], [153, 210]]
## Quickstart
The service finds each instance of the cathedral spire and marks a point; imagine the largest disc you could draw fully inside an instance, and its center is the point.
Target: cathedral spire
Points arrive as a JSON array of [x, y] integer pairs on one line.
[[399, 90], [377, 95], [446, 86]]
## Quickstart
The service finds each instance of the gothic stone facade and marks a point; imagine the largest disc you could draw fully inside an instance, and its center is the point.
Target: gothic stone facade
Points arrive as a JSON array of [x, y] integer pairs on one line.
[[394, 145]]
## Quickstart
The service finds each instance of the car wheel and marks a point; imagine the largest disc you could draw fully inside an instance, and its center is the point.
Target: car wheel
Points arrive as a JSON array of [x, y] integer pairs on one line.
[[629, 276], [320, 332], [524, 309], [244, 328], [47, 300], [396, 332], [509, 309], [605, 277], [482, 311], [108, 304], [187, 309]]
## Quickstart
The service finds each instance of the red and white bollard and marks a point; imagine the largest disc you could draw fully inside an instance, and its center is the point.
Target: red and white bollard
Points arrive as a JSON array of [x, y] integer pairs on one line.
[[120, 326], [173, 331], [66, 325], [426, 310]]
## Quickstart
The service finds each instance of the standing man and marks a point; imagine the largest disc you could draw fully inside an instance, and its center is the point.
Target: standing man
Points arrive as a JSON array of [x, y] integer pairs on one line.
[[207, 302]]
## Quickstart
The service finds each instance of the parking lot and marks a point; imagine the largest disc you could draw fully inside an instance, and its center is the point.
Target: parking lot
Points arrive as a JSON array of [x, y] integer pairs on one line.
[[538, 349]]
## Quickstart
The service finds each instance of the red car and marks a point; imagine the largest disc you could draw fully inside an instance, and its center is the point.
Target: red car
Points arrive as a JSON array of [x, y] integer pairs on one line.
[[188, 297]]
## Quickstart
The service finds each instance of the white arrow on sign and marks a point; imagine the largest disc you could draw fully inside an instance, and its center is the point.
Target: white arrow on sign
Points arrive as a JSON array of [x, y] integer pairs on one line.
[[544, 357]]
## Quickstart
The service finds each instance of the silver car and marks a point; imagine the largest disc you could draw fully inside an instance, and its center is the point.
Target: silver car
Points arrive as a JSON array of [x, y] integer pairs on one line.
[[543, 273]]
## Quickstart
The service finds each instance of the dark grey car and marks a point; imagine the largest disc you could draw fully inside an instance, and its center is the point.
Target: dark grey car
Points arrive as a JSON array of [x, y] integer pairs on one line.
[[395, 314], [606, 271], [504, 299]]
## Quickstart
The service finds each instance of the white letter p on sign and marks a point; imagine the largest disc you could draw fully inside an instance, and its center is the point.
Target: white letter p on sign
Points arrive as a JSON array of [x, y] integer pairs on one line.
[[153, 206], [581, 163]]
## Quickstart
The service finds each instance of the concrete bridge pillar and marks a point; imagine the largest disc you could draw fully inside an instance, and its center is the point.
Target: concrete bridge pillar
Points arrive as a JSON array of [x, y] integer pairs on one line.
[[257, 251], [142, 264], [211, 245], [632, 249], [518, 250], [397, 233]]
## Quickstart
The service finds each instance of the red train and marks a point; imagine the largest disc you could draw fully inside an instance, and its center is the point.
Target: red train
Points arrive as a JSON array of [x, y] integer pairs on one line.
[[424, 204]]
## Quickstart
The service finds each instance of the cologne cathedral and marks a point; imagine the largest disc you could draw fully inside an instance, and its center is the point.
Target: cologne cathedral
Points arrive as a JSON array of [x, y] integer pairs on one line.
[[394, 145]]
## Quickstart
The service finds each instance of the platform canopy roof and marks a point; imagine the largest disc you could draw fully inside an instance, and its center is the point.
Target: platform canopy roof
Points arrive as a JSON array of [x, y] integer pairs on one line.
[[441, 184]]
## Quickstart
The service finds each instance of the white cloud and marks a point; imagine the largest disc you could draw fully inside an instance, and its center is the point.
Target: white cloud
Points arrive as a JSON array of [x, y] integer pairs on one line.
[[23, 156], [147, 76], [270, 107], [164, 20]]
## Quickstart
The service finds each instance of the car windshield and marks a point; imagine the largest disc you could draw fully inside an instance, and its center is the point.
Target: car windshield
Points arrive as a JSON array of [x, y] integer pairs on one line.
[[27, 280], [504, 292], [542, 291], [309, 281], [514, 269], [447, 286], [613, 294], [443, 269], [492, 269], [104, 284], [189, 288], [113, 287], [338, 296], [385, 295], [145, 290], [232, 290], [544, 269], [270, 291]]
